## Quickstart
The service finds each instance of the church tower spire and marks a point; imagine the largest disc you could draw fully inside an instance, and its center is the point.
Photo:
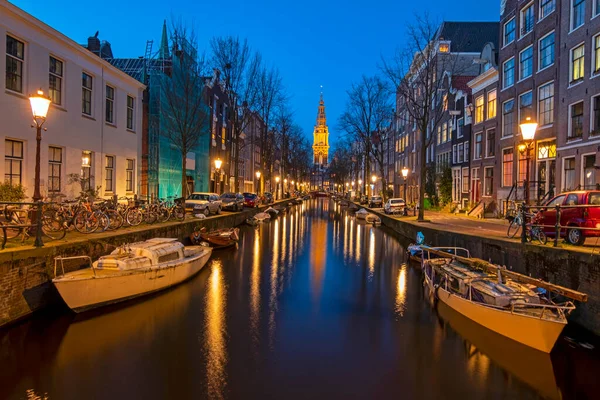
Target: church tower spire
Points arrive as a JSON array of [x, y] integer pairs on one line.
[[321, 137], [164, 43]]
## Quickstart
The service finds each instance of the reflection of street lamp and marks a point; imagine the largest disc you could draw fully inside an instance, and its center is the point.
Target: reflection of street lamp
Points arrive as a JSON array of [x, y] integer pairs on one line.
[[404, 175], [528, 128], [277, 189], [218, 164], [39, 109]]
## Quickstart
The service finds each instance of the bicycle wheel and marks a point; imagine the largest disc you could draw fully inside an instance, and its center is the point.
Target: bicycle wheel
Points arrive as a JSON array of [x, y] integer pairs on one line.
[[514, 227], [85, 222], [149, 217], [54, 229], [162, 214], [134, 217], [104, 221], [541, 236], [116, 220], [179, 213]]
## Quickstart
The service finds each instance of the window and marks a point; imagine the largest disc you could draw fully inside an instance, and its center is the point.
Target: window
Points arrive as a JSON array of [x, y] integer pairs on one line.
[[454, 149], [110, 104], [86, 94], [546, 104], [15, 55], [478, 145], [526, 63], [509, 32], [490, 143], [547, 150], [507, 167], [508, 75], [130, 108], [589, 172], [595, 116], [577, 13], [488, 181], [465, 180], [527, 19], [577, 63], [546, 47], [491, 104], [444, 47], [13, 161], [546, 7], [460, 153], [55, 80], [460, 124], [86, 170], [596, 8], [445, 137], [569, 174], [576, 126], [109, 171], [508, 118], [129, 175], [467, 154], [522, 166], [479, 109], [596, 55], [439, 134], [525, 106], [54, 168]]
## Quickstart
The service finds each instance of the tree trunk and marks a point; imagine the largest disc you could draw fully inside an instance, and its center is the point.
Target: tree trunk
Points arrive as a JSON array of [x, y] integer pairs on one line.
[[236, 159], [183, 174], [422, 177]]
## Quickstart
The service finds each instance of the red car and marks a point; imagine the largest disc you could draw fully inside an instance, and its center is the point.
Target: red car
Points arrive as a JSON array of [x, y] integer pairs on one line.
[[251, 200], [572, 218]]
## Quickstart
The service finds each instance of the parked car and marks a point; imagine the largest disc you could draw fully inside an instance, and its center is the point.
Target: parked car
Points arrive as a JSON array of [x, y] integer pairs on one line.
[[251, 200], [572, 218], [364, 199], [268, 197], [375, 201], [394, 205], [205, 203], [232, 201]]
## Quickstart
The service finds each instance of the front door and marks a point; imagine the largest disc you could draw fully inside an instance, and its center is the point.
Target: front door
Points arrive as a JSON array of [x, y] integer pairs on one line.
[[475, 186], [545, 178]]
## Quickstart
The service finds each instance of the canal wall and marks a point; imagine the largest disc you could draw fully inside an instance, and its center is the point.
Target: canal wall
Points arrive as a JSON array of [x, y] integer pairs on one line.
[[26, 273], [572, 269]]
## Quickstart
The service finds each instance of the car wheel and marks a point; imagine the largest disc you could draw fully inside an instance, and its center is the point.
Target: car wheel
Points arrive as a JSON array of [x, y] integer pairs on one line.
[[575, 236], [206, 211], [218, 210]]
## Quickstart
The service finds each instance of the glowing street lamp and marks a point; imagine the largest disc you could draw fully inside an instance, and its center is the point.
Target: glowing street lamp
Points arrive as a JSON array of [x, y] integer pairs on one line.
[[218, 164], [528, 128], [277, 179], [404, 175]]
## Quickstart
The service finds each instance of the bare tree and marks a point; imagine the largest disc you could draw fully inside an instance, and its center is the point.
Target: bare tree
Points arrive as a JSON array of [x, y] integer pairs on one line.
[[185, 122], [366, 118], [241, 68]]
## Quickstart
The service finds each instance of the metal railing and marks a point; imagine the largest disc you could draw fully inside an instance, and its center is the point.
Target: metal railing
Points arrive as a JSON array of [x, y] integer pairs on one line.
[[24, 228]]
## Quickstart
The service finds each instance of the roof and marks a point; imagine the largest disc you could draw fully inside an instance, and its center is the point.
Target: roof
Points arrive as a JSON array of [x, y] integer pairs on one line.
[[469, 37]]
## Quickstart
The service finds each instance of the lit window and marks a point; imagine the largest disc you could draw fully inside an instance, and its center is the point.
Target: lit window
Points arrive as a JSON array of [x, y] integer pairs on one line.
[[444, 48], [577, 63], [491, 104], [479, 109], [507, 167], [596, 49], [547, 150], [129, 175]]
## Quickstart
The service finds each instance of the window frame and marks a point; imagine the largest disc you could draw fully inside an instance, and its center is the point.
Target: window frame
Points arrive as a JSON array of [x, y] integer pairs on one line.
[[478, 143], [487, 185], [90, 90], [542, 16], [539, 103], [109, 174], [570, 136], [465, 181], [109, 104], [512, 166], [52, 161], [487, 139], [504, 85], [595, 58], [491, 107], [583, 168], [129, 175], [564, 172], [540, 67], [594, 124], [130, 117], [572, 26], [522, 24], [521, 77], [479, 109], [572, 80], [20, 62], [520, 108], [504, 116], [514, 31], [56, 76], [12, 157]]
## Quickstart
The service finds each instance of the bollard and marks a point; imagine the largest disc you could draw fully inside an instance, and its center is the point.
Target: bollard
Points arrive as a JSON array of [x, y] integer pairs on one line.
[[38, 226], [523, 223], [557, 226]]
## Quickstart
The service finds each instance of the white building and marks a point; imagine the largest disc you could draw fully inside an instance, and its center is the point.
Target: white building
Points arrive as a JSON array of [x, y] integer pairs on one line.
[[94, 122]]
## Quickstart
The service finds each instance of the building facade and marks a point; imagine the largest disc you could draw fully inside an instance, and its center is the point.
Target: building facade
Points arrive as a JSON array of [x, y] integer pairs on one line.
[[94, 123]]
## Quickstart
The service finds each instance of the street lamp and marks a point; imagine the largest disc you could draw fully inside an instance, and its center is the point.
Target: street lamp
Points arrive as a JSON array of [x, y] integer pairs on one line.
[[258, 183], [218, 164], [528, 128], [373, 179], [39, 109], [277, 189], [404, 175]]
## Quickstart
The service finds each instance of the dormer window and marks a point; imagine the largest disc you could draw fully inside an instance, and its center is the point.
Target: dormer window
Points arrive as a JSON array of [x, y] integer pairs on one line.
[[444, 47]]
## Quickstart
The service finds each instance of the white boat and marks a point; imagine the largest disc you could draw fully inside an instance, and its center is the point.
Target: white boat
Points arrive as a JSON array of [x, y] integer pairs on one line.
[[130, 271], [362, 214], [262, 217], [512, 309], [373, 219]]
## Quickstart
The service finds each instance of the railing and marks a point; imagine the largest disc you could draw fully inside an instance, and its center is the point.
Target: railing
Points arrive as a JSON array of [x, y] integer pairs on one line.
[[23, 228]]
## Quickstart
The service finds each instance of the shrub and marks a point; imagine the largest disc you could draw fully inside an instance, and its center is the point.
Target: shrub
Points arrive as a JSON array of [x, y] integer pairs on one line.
[[10, 192]]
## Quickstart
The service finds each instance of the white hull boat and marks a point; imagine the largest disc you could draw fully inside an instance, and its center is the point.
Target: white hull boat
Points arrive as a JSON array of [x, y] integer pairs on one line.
[[131, 271], [361, 214]]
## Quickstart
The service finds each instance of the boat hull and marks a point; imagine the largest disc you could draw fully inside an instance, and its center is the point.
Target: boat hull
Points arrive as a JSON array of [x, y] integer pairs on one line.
[[82, 294], [540, 334]]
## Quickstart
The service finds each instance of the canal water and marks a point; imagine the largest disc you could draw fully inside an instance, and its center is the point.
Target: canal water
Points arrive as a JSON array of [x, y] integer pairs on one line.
[[313, 305]]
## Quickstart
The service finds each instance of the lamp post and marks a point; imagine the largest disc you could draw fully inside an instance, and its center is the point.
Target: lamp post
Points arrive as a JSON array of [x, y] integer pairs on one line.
[[373, 180], [218, 164], [39, 109], [258, 181], [277, 189], [404, 175], [528, 128], [360, 187], [285, 186]]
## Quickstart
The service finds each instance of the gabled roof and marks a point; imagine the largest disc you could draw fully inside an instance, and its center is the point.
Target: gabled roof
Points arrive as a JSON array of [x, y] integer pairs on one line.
[[469, 37]]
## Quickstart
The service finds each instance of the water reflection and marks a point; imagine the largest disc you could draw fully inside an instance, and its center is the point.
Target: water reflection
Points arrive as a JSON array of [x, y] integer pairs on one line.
[[255, 290], [401, 291], [215, 344], [318, 255]]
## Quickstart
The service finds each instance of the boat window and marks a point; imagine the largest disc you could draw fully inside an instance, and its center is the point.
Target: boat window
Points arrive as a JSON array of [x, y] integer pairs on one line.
[[168, 257]]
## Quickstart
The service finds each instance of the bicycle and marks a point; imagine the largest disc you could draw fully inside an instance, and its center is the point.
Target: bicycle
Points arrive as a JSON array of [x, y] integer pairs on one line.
[[516, 222], [535, 232], [17, 222]]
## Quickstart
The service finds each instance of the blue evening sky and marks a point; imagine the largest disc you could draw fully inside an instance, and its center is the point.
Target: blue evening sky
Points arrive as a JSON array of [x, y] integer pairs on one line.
[[329, 42]]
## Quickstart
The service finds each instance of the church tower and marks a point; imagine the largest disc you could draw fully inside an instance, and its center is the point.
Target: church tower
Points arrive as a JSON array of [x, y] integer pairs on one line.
[[321, 138]]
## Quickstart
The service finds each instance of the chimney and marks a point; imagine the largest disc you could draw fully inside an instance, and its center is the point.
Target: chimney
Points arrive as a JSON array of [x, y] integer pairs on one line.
[[94, 44]]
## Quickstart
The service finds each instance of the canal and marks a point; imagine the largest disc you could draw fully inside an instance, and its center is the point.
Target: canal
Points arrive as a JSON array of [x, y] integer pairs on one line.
[[311, 305]]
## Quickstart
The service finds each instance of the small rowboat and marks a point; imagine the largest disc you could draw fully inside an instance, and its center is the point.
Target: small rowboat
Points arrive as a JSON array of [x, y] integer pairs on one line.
[[362, 214], [217, 239]]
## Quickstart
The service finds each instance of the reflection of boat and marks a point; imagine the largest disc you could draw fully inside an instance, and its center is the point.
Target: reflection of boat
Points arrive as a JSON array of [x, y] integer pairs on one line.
[[272, 212], [532, 367], [130, 271], [219, 238], [262, 217], [512, 309]]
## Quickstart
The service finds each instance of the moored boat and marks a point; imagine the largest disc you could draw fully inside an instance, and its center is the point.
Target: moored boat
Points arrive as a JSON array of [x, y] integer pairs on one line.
[[520, 311], [361, 214], [130, 271], [217, 239]]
